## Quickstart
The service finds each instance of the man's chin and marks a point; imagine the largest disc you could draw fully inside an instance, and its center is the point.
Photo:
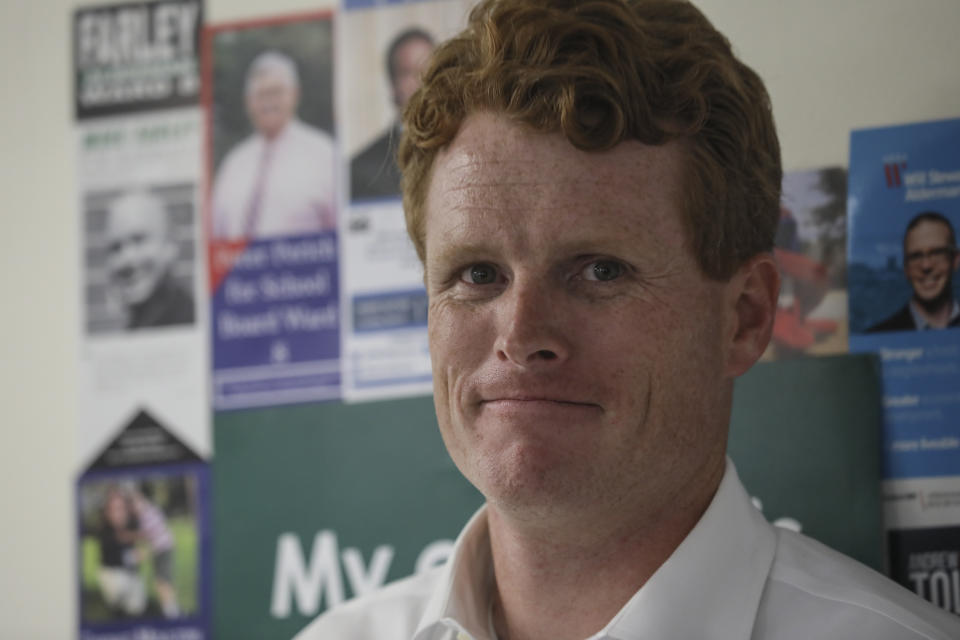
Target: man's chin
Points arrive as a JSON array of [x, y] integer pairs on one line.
[[532, 486], [933, 301], [135, 297]]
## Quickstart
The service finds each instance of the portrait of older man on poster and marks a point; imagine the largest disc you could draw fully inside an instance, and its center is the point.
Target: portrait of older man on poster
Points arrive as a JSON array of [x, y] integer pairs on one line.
[[280, 180], [593, 189], [140, 257]]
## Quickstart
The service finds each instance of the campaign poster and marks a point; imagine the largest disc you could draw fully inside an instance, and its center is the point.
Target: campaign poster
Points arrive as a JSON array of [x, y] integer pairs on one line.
[[143, 538], [927, 560], [323, 502], [142, 287], [143, 338], [904, 210], [272, 211], [320, 503], [142, 363], [136, 56], [383, 49], [810, 250]]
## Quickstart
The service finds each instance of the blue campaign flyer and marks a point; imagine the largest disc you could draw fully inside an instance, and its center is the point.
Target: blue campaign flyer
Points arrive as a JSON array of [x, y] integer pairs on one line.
[[276, 323], [904, 287], [143, 537], [904, 209], [273, 209], [144, 553]]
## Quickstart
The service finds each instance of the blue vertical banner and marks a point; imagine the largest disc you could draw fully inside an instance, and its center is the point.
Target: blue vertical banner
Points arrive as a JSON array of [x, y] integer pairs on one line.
[[276, 336], [904, 292]]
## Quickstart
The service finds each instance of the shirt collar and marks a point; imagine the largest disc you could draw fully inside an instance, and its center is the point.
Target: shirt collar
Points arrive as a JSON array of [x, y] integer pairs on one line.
[[709, 587], [285, 134], [920, 321], [461, 600]]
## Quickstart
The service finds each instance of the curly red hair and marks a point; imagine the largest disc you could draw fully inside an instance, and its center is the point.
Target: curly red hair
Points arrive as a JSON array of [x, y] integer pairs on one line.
[[600, 72]]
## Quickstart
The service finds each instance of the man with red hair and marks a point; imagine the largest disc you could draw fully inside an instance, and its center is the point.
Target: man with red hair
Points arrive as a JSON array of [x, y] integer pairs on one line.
[[593, 188]]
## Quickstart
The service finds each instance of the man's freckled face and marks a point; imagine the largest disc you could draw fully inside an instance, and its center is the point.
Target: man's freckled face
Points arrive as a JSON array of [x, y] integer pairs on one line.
[[576, 346]]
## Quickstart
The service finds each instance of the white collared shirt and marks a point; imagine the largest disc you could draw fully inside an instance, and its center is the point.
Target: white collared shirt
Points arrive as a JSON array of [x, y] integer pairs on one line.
[[734, 577], [289, 180], [920, 320]]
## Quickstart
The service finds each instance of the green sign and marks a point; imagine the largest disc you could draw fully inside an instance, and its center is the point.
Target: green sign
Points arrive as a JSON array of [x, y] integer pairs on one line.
[[317, 503]]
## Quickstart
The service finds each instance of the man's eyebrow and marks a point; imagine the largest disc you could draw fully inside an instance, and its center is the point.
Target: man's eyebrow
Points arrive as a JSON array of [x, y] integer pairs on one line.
[[455, 251]]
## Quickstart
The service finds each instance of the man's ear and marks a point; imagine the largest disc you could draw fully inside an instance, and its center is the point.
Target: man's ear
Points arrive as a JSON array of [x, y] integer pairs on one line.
[[751, 305]]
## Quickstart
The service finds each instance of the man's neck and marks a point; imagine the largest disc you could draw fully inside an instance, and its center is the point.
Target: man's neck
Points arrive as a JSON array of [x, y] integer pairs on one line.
[[567, 582], [273, 136]]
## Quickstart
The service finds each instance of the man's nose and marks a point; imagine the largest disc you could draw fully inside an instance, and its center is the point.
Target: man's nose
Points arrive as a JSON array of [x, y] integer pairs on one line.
[[531, 330]]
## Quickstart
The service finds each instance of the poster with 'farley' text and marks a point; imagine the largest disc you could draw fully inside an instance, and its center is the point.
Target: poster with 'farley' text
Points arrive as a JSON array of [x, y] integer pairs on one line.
[[142, 542]]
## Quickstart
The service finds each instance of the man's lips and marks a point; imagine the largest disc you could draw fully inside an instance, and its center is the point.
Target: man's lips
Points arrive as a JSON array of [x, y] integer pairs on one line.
[[535, 403], [929, 282], [528, 393]]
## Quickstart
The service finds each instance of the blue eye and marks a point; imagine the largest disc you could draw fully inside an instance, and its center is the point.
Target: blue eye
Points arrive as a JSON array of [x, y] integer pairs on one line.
[[480, 273], [602, 270]]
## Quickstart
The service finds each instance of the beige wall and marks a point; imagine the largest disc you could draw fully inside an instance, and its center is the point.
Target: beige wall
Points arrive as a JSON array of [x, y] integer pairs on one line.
[[830, 66]]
